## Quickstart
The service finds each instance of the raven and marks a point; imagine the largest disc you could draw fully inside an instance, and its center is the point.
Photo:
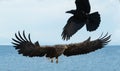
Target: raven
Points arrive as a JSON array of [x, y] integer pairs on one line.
[[81, 16]]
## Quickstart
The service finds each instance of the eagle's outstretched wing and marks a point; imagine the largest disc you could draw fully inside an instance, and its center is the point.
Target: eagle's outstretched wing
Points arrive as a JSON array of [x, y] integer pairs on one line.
[[26, 47], [86, 46], [83, 5], [71, 28]]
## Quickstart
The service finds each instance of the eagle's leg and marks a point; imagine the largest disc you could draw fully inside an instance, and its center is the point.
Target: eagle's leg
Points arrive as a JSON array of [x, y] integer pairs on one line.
[[48, 58], [52, 60], [56, 59]]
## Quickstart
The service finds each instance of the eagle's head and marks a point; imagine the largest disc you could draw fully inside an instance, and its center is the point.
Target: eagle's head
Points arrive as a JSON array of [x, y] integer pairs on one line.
[[65, 47]]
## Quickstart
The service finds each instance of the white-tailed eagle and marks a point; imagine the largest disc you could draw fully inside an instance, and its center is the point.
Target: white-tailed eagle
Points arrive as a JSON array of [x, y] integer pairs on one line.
[[27, 48]]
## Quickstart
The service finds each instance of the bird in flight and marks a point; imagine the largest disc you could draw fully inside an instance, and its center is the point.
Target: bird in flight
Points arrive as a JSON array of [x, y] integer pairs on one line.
[[26, 47], [81, 16]]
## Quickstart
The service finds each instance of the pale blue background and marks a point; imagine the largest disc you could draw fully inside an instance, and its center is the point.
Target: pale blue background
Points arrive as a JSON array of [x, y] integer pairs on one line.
[[44, 19]]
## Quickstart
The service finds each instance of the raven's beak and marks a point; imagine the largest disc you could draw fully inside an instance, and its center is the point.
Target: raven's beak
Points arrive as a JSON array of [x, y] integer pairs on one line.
[[71, 11], [68, 12]]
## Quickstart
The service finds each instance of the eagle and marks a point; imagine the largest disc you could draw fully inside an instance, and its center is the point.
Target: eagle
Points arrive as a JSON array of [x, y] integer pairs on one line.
[[81, 16], [26, 47]]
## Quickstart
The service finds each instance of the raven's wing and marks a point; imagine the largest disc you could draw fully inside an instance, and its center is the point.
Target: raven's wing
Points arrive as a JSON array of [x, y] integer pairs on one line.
[[93, 21], [26, 47], [86, 46], [71, 28], [83, 5]]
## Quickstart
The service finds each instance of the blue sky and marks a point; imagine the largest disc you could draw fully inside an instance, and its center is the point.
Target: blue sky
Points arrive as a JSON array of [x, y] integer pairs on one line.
[[45, 20]]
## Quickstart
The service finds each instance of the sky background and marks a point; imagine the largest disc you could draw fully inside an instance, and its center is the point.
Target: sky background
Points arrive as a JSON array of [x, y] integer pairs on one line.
[[45, 19]]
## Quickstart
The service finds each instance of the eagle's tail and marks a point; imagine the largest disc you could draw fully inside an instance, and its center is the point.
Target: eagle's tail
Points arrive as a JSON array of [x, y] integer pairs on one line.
[[93, 21]]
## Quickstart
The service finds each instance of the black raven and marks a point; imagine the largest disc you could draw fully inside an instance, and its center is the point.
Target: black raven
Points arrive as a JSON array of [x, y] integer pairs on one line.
[[81, 16]]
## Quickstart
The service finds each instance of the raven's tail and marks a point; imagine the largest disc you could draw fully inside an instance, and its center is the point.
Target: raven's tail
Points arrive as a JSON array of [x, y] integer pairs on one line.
[[93, 21]]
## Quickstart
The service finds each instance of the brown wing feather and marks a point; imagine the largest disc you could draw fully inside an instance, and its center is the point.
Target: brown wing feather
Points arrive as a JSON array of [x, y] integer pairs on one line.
[[86, 46], [26, 47]]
